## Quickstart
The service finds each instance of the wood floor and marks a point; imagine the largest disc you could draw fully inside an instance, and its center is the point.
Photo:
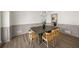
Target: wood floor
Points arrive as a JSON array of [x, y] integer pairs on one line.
[[64, 41]]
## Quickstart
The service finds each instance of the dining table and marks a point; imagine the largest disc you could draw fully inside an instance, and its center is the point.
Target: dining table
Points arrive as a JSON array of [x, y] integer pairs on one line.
[[39, 30]]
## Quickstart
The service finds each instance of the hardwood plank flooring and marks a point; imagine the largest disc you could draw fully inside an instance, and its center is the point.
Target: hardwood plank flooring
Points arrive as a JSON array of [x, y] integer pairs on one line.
[[64, 41]]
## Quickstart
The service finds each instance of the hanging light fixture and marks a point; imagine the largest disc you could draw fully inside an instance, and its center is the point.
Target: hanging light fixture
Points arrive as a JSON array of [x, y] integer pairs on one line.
[[44, 15]]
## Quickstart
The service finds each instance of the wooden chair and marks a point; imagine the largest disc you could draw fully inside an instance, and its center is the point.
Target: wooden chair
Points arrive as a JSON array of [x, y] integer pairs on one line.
[[55, 35], [32, 38], [51, 37], [47, 37]]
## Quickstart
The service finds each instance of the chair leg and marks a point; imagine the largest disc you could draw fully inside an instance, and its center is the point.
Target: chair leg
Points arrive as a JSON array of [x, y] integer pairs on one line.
[[30, 43], [53, 44], [55, 41], [33, 44], [47, 44], [38, 41]]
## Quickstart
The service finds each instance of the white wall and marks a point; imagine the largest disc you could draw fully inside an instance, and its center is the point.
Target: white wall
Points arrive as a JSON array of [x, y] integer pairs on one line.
[[67, 17], [5, 19], [25, 17], [48, 20], [29, 17]]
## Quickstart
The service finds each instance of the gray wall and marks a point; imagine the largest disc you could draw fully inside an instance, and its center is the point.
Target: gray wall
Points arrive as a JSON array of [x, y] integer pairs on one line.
[[70, 29], [5, 34], [0, 35]]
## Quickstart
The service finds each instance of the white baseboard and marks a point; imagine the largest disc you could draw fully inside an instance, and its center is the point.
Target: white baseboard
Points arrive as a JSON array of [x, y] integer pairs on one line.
[[67, 31]]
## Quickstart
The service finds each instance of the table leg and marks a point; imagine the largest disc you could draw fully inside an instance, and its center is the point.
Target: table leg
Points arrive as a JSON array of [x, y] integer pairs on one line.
[[40, 38]]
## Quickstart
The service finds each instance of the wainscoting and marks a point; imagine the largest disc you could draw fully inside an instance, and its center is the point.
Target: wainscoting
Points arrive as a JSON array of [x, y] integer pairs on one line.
[[70, 29], [5, 34]]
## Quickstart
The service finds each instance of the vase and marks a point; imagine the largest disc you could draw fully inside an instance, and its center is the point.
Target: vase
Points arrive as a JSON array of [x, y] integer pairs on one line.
[[43, 26]]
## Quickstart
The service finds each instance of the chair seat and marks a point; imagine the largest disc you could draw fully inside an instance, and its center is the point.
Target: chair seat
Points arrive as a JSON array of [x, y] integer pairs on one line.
[[47, 38], [44, 38], [32, 38], [32, 35]]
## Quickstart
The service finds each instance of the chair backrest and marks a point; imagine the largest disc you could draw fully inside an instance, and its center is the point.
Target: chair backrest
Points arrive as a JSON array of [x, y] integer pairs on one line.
[[55, 32], [48, 36], [32, 35]]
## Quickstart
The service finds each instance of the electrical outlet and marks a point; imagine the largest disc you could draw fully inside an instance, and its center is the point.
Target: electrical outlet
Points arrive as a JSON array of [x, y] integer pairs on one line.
[[19, 31], [67, 31]]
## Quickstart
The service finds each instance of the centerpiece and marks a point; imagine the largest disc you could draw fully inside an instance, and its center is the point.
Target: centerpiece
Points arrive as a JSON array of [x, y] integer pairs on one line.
[[44, 16], [44, 23]]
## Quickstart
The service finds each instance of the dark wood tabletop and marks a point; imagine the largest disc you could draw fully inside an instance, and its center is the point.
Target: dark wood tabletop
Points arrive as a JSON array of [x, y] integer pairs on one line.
[[40, 29]]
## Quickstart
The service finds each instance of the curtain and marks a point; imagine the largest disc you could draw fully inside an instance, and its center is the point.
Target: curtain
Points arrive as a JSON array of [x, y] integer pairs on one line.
[[4, 26]]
